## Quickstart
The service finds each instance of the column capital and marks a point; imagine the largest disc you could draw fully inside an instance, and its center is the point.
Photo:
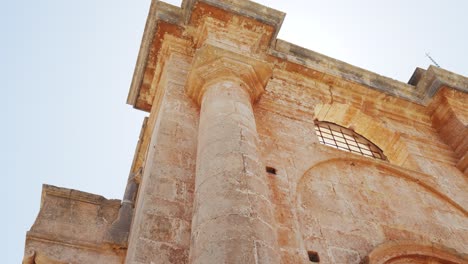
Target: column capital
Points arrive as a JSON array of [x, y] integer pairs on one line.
[[212, 64]]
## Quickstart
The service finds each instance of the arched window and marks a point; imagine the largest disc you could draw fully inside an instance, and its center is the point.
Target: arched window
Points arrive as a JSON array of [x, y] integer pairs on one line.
[[346, 139]]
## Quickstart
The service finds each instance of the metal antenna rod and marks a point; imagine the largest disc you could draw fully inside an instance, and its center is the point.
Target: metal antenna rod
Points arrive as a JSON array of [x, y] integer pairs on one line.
[[433, 61]]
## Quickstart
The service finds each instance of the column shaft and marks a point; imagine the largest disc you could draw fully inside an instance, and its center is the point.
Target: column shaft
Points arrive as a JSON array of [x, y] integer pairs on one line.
[[232, 221]]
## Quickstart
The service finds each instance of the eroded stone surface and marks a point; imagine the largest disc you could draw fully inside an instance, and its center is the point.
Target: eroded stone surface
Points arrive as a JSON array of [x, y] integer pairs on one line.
[[226, 100], [71, 227]]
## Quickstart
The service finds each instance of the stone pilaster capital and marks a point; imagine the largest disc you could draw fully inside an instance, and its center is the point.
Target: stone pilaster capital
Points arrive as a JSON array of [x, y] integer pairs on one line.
[[212, 64]]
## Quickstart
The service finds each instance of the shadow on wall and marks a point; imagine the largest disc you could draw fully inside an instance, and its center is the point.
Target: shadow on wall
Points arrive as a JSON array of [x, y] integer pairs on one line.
[[348, 207]]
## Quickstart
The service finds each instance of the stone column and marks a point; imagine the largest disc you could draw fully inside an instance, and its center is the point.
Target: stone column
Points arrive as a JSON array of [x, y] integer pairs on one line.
[[233, 217]]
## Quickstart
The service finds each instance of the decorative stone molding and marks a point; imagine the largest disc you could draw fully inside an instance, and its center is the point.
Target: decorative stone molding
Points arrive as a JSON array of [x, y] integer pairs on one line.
[[160, 18], [433, 79], [424, 181], [34, 257], [411, 252], [449, 117], [248, 9], [62, 214], [256, 26], [170, 46], [70, 194], [368, 126], [246, 27], [229, 35], [212, 64]]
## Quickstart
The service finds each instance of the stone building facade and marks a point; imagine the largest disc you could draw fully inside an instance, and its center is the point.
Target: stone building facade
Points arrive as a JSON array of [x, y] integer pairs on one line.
[[256, 150]]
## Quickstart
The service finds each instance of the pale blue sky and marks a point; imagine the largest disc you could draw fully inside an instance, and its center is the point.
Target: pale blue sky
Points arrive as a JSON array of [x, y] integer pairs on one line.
[[66, 68]]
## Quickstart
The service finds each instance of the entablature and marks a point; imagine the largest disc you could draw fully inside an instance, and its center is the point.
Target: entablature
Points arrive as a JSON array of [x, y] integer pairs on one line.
[[255, 28]]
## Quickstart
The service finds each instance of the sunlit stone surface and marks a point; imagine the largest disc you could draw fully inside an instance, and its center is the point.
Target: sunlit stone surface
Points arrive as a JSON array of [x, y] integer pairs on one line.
[[229, 168]]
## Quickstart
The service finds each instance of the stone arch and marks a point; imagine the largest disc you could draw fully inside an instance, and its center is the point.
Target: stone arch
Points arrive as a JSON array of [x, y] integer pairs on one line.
[[394, 252], [348, 206], [417, 178], [371, 128]]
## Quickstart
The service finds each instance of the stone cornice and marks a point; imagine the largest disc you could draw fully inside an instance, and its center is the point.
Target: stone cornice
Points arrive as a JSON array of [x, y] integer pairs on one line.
[[66, 211], [182, 22], [435, 78], [69, 242], [212, 64], [422, 86], [159, 13], [309, 59], [258, 12], [49, 190], [189, 20]]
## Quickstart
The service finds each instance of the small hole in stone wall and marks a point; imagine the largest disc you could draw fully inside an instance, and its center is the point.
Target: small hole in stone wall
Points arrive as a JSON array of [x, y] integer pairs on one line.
[[271, 170], [313, 256]]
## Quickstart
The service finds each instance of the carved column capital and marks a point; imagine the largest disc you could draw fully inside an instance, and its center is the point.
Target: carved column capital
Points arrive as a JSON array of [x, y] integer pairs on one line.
[[212, 64]]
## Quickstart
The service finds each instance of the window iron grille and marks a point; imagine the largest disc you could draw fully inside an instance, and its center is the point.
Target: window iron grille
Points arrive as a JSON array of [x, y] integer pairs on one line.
[[342, 138]]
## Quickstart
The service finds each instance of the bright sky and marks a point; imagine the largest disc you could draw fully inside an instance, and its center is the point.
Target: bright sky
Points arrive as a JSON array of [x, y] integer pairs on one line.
[[66, 68]]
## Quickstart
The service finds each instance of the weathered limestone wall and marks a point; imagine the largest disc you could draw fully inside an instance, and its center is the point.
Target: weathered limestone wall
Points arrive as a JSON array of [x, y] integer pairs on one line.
[[161, 227], [313, 183], [348, 207], [342, 205], [71, 228], [226, 99], [404, 130]]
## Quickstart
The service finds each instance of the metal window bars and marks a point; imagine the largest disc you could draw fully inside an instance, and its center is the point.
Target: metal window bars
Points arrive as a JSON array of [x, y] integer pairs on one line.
[[345, 139]]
